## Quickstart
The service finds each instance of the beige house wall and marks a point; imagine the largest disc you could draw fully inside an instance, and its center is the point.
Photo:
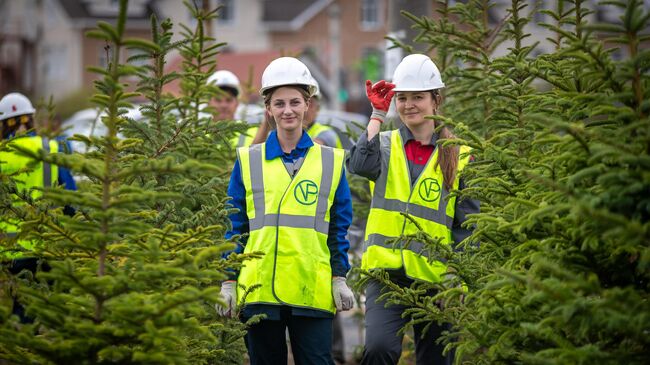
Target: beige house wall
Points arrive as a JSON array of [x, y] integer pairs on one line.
[[354, 39], [94, 53], [244, 34], [59, 62]]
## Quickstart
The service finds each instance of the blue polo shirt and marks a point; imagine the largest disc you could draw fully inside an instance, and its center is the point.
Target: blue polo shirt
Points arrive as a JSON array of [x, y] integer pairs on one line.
[[340, 219]]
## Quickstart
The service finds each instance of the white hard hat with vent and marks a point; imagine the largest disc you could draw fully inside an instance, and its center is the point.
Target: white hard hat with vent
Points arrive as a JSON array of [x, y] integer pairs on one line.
[[316, 88], [287, 71], [14, 104], [225, 79], [417, 72]]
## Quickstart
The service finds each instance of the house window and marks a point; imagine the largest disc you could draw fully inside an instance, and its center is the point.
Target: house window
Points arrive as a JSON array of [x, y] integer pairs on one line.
[[370, 14], [139, 60], [226, 13], [539, 17], [105, 55], [372, 63], [55, 59]]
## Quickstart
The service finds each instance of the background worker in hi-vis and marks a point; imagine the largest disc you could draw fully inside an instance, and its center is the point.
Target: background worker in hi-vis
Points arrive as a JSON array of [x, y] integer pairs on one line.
[[415, 176], [17, 253], [226, 100], [294, 203], [319, 133]]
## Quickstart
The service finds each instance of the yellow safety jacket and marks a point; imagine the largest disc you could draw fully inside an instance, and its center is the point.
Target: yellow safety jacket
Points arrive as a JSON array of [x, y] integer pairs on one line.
[[289, 223], [245, 139], [42, 175], [427, 201], [318, 128]]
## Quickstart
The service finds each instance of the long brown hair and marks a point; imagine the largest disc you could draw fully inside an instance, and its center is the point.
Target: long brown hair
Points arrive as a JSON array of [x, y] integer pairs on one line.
[[447, 156]]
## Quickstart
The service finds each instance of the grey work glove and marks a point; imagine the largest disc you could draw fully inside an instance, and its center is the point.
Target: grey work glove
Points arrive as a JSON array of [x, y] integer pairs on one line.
[[229, 297], [343, 297]]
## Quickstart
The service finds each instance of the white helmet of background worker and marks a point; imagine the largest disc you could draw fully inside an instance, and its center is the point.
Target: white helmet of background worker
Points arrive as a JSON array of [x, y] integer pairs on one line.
[[287, 71], [15, 104], [225, 80], [316, 88], [417, 72]]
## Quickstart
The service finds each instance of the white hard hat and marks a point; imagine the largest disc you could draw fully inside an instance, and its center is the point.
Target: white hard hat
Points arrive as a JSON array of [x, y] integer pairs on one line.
[[417, 72], [287, 71], [14, 104], [316, 88], [225, 78]]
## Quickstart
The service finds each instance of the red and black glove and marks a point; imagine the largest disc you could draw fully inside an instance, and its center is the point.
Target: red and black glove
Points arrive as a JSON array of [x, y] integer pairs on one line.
[[379, 95]]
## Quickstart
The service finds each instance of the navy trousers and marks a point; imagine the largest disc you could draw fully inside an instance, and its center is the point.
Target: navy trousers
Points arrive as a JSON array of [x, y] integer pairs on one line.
[[384, 345], [311, 340]]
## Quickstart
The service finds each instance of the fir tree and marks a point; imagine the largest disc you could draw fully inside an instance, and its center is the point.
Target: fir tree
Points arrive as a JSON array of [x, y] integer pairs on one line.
[[561, 143], [135, 272]]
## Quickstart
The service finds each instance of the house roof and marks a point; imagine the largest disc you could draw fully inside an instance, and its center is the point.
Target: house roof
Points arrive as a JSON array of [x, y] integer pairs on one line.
[[290, 15]]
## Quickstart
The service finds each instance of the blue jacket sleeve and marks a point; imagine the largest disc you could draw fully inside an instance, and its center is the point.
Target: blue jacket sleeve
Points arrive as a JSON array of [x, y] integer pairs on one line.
[[65, 177], [340, 220], [239, 219]]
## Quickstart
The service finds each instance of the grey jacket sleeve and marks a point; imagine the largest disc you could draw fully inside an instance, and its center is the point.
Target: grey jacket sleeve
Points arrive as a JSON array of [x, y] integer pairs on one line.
[[464, 207], [328, 137], [365, 157]]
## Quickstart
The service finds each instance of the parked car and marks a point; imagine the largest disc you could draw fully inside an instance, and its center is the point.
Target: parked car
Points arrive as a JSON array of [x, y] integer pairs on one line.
[[87, 122]]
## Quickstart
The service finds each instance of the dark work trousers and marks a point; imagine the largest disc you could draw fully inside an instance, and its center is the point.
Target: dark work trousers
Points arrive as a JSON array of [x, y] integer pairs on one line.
[[311, 340], [15, 267], [338, 345], [384, 345]]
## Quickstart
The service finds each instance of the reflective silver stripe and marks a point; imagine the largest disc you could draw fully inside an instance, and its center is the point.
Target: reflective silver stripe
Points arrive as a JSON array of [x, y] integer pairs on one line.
[[417, 247], [257, 185], [327, 161], [379, 201], [293, 221], [241, 140], [419, 211], [47, 168], [384, 149], [286, 220], [8, 235]]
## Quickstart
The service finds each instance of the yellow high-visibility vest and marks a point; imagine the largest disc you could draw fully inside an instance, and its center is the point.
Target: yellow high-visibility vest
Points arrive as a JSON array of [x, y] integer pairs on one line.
[[318, 128], [245, 139], [289, 223], [42, 175], [427, 201]]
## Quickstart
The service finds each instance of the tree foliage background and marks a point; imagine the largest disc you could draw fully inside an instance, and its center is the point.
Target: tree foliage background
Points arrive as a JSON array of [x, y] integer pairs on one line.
[[557, 269], [135, 272]]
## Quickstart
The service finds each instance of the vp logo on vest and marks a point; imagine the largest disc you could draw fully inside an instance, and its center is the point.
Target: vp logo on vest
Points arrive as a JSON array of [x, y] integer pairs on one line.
[[306, 192], [429, 189]]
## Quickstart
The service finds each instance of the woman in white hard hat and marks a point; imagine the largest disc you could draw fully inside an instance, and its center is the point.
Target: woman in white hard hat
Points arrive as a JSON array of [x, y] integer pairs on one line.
[[294, 204], [226, 101], [412, 175]]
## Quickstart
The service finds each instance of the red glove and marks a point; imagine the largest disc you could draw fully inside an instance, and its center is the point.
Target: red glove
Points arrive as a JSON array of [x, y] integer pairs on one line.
[[380, 94]]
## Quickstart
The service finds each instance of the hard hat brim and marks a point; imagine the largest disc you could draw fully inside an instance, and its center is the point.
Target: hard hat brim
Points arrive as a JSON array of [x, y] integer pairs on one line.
[[396, 89], [16, 114], [310, 88]]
